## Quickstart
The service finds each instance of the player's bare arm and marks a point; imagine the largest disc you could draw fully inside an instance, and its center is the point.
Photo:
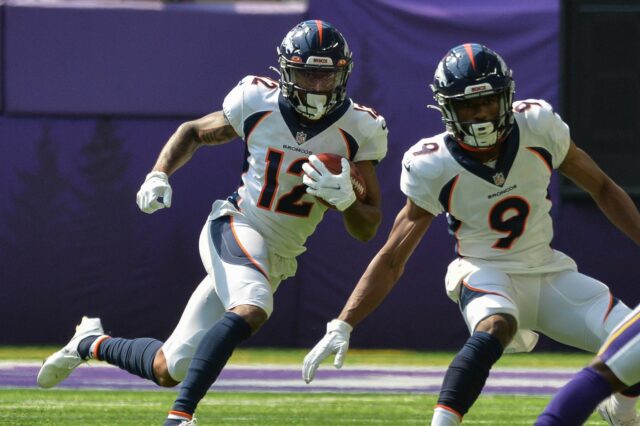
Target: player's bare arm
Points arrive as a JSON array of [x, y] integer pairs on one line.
[[614, 202], [387, 266], [212, 129], [362, 219], [381, 275]]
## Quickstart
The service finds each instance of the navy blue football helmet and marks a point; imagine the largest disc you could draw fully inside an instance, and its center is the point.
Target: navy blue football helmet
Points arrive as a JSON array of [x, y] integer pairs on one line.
[[469, 71], [315, 64]]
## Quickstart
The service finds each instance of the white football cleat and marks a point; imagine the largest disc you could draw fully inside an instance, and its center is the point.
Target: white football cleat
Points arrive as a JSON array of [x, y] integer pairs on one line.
[[606, 412], [185, 422], [58, 366]]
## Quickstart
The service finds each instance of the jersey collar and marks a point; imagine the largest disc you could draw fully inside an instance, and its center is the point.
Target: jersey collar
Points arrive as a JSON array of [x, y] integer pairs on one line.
[[495, 176], [310, 130]]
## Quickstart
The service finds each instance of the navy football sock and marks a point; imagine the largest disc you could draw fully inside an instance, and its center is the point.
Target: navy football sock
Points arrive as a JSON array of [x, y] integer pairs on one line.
[[85, 346], [210, 358], [468, 372], [176, 419], [133, 355], [574, 403], [633, 391]]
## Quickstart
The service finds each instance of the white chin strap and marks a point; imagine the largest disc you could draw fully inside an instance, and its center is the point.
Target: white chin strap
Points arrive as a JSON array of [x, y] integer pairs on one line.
[[316, 106], [481, 135]]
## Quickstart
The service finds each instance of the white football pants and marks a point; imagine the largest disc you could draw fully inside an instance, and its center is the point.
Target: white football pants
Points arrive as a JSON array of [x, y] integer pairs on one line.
[[567, 306], [240, 271]]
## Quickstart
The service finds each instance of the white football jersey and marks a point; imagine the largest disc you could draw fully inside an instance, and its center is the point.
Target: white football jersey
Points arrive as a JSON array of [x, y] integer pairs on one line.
[[499, 212], [272, 195]]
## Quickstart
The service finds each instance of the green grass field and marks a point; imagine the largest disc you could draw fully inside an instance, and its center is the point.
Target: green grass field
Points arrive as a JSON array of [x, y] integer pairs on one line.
[[65, 407]]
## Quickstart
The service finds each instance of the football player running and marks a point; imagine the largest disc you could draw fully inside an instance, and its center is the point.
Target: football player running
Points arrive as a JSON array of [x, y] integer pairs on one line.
[[251, 239], [489, 172], [614, 369]]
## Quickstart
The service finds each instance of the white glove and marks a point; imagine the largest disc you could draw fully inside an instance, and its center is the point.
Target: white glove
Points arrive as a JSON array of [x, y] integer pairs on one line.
[[336, 190], [155, 193], [336, 341]]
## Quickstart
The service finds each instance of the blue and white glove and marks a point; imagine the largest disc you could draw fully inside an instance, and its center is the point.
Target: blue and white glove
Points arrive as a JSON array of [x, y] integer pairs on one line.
[[155, 193], [336, 190], [336, 341]]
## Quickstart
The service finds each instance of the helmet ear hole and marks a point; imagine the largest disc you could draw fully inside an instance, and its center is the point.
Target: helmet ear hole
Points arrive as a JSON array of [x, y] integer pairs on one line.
[[314, 45], [470, 71]]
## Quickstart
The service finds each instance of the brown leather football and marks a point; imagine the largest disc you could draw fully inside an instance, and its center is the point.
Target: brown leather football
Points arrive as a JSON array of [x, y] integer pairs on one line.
[[333, 164]]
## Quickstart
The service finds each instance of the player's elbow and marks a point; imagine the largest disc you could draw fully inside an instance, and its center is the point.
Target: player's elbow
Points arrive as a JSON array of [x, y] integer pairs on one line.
[[605, 189], [367, 235], [364, 233], [363, 227], [188, 133], [393, 266]]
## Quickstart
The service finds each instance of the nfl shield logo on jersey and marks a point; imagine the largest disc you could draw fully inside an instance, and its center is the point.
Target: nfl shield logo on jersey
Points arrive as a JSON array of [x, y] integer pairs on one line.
[[301, 137], [498, 179]]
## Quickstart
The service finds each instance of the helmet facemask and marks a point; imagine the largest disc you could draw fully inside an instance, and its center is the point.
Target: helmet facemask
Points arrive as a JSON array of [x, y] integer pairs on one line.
[[478, 135], [468, 72], [314, 65], [314, 91]]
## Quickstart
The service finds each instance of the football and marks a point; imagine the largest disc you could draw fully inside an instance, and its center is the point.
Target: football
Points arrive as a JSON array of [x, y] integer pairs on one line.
[[332, 162]]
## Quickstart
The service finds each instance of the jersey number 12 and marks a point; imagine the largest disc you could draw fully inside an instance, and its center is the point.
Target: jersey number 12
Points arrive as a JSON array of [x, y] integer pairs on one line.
[[290, 203]]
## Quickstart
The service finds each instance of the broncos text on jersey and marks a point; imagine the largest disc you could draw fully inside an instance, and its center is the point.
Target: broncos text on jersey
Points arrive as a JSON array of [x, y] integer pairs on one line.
[[272, 195], [497, 212]]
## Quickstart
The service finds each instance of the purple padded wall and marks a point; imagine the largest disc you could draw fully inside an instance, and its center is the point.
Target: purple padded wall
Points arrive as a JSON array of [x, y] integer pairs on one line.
[[396, 46], [72, 241], [140, 58], [2, 67]]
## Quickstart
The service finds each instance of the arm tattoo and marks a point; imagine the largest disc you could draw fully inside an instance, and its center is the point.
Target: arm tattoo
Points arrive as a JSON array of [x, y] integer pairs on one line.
[[217, 135], [215, 129]]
